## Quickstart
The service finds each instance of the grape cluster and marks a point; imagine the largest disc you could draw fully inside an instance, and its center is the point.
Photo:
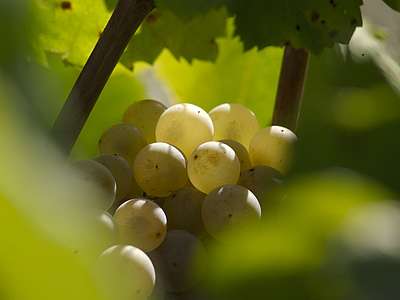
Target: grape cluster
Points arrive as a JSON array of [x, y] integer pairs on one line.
[[174, 180]]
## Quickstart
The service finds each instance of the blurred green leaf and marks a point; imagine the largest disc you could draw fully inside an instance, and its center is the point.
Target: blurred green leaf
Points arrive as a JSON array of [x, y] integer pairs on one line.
[[284, 256], [395, 4], [162, 29], [71, 28]]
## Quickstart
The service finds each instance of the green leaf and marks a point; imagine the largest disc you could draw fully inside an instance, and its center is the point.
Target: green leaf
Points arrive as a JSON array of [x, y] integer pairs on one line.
[[248, 77], [188, 9], [194, 38], [395, 4], [311, 24], [71, 28]]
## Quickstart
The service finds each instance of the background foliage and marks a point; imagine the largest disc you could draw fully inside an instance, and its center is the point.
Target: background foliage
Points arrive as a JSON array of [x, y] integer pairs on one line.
[[346, 159]]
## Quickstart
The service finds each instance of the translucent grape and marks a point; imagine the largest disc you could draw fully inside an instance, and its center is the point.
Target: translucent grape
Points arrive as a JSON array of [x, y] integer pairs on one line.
[[100, 179], [144, 115], [121, 171], [126, 273], [211, 165], [175, 260], [228, 207], [141, 223], [241, 153], [185, 126], [263, 181], [123, 139], [234, 122], [183, 210], [273, 146], [160, 169]]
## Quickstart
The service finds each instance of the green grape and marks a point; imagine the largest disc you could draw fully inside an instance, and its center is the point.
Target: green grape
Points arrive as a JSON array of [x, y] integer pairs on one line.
[[227, 208], [183, 210], [125, 272], [100, 180], [123, 139], [263, 181], [160, 169], [211, 165], [121, 171], [272, 147], [234, 122], [141, 223], [174, 260], [185, 126], [144, 115], [241, 153]]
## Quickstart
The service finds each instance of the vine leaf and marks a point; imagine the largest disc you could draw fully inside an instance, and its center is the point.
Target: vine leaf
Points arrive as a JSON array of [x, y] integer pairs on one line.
[[188, 9], [190, 39], [310, 24], [71, 28], [395, 4]]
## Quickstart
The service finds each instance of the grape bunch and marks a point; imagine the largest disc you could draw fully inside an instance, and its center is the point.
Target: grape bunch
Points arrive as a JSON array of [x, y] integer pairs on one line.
[[176, 179]]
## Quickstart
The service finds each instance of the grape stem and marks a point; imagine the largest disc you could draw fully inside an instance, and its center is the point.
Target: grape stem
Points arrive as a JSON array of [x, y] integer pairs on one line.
[[291, 87], [125, 20]]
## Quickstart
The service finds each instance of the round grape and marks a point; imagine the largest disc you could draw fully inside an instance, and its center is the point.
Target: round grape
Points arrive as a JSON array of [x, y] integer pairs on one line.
[[234, 122], [144, 115], [123, 139], [227, 208], [241, 153], [141, 223], [213, 164], [125, 272], [100, 179], [160, 169], [183, 210], [185, 126], [272, 147]]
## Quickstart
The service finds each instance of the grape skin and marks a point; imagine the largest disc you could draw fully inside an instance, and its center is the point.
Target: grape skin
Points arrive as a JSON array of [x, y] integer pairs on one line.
[[141, 223], [144, 115], [125, 272], [160, 169], [184, 126], [272, 147], [183, 210], [213, 164], [100, 180], [174, 260], [241, 152], [123, 139], [121, 171], [263, 181], [234, 122], [228, 207]]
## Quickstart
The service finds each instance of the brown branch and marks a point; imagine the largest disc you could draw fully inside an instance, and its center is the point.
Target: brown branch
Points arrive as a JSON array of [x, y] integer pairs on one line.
[[125, 20], [291, 87]]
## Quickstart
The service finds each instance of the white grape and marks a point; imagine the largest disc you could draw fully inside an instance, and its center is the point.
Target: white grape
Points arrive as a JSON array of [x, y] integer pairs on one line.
[[183, 210], [273, 147], [175, 260], [263, 181], [141, 223], [241, 153], [100, 180], [121, 171], [160, 169], [185, 126], [144, 115], [234, 122], [126, 273], [211, 165], [227, 208], [123, 139]]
